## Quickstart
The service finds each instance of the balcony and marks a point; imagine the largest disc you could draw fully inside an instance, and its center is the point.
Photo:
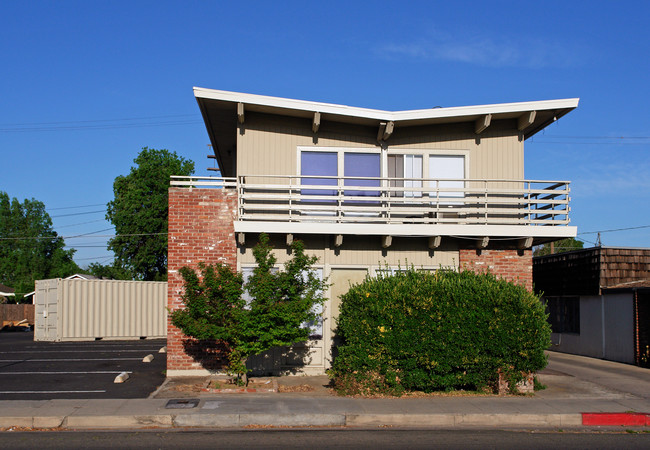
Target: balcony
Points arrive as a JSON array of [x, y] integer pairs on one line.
[[358, 205]]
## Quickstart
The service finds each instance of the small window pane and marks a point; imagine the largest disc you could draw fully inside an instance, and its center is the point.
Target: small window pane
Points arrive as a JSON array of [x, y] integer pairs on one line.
[[319, 163], [446, 167], [365, 165]]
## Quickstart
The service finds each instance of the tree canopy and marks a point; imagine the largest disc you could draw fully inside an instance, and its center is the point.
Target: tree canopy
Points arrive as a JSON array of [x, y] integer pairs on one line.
[[139, 213], [30, 249], [561, 246]]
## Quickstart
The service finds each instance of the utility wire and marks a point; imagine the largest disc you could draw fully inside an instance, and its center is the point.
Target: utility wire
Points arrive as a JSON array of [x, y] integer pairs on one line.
[[81, 223], [80, 235], [98, 127], [616, 229], [102, 120], [561, 136], [79, 214], [76, 207]]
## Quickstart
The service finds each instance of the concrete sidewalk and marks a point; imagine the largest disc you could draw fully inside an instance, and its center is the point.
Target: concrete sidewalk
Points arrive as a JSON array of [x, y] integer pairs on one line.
[[569, 401]]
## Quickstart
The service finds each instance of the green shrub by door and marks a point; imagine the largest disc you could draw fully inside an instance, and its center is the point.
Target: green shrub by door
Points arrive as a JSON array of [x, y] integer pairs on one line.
[[423, 331]]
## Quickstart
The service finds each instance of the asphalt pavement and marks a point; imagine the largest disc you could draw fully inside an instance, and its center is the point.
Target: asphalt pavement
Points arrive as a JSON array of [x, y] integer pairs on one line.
[[77, 370], [581, 392]]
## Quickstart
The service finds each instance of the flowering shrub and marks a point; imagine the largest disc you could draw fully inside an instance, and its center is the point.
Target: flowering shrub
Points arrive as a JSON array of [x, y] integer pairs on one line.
[[422, 331]]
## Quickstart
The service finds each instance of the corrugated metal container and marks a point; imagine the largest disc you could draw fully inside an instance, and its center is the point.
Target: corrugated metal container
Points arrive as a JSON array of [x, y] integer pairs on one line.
[[82, 310]]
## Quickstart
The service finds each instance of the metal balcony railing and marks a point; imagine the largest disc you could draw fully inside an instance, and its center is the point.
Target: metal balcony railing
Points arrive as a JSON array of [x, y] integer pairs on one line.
[[394, 200]]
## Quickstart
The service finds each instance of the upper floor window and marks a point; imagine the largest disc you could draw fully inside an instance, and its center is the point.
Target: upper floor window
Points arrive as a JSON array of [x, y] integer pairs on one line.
[[360, 169], [343, 167]]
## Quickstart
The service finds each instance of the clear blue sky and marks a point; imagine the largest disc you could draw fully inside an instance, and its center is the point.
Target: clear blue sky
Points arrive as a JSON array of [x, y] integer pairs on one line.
[[86, 84]]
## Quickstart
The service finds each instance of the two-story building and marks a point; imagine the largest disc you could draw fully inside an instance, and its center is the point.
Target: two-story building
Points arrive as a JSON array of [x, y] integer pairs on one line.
[[366, 190]]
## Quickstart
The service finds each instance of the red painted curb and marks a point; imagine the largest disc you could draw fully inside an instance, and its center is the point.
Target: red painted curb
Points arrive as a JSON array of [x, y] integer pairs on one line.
[[628, 419]]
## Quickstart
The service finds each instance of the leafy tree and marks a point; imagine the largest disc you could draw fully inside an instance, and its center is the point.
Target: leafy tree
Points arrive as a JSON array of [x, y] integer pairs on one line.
[[283, 302], [561, 246], [30, 249], [139, 213], [110, 271]]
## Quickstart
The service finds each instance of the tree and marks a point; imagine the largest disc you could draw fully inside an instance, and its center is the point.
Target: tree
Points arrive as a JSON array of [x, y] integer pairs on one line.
[[561, 246], [282, 308], [30, 249], [139, 213], [110, 271]]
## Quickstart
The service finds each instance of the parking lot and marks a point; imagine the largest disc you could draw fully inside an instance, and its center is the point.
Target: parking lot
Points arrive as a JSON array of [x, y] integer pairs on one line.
[[47, 370]]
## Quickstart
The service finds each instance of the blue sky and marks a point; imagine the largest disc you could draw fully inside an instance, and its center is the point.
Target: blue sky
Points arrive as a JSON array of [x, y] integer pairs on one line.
[[85, 85]]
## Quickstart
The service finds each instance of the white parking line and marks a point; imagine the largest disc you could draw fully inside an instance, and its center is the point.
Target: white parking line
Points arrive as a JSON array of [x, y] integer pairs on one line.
[[83, 351], [50, 392], [71, 359], [62, 373]]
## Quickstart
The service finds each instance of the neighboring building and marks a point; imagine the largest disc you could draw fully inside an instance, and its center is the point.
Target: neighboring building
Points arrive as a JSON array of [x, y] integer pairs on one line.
[[6, 293], [366, 190], [81, 276], [29, 297], [598, 302]]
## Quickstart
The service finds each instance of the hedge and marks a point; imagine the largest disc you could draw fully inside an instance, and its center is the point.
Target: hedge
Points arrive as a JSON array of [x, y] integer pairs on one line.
[[423, 331]]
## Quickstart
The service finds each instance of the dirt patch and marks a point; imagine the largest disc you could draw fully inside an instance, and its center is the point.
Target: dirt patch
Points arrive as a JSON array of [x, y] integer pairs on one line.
[[296, 388]]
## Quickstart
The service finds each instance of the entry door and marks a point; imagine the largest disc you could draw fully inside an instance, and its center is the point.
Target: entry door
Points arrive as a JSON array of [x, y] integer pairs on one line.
[[340, 280]]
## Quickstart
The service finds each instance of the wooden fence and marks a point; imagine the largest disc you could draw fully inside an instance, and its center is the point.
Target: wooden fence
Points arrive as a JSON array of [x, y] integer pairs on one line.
[[16, 313]]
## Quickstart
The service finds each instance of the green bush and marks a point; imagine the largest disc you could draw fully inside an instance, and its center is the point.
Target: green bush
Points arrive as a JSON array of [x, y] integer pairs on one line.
[[280, 313], [422, 331]]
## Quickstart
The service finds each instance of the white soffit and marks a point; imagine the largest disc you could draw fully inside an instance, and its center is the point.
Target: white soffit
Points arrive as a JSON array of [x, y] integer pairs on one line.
[[306, 108], [408, 230]]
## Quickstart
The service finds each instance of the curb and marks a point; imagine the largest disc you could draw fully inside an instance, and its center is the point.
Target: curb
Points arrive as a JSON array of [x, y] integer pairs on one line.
[[448, 421], [616, 419], [295, 420]]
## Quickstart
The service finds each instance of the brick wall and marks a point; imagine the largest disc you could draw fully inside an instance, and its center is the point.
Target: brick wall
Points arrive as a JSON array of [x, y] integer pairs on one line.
[[200, 230], [510, 264]]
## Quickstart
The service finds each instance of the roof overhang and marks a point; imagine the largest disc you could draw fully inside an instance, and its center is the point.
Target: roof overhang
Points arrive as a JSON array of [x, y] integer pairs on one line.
[[222, 110]]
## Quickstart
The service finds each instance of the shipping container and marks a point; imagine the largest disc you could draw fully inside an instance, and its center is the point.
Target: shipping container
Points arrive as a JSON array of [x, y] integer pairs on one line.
[[84, 310]]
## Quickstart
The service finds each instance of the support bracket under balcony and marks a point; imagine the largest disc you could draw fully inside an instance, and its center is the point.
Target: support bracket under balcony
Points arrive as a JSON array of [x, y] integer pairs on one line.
[[434, 242], [526, 243]]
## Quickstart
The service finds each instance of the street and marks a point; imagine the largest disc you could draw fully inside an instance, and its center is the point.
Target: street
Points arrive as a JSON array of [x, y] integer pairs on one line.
[[328, 439]]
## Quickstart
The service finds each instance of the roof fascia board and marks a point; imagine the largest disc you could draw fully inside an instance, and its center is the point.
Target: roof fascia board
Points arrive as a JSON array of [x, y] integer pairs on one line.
[[396, 116], [507, 231]]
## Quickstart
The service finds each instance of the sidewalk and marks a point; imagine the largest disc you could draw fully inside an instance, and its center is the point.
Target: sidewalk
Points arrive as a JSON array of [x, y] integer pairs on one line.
[[568, 402]]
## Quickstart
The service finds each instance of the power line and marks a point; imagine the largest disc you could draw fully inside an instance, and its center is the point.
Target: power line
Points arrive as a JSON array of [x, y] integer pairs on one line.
[[101, 120], [81, 235], [564, 136], [98, 127], [79, 214], [98, 258], [81, 223], [77, 207], [616, 229]]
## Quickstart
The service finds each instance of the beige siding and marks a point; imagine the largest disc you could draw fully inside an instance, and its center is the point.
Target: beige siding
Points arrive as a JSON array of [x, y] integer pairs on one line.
[[267, 145], [363, 251]]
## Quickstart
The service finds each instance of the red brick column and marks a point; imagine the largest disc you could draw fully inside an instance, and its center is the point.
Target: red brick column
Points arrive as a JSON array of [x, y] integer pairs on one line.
[[510, 264], [201, 229]]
